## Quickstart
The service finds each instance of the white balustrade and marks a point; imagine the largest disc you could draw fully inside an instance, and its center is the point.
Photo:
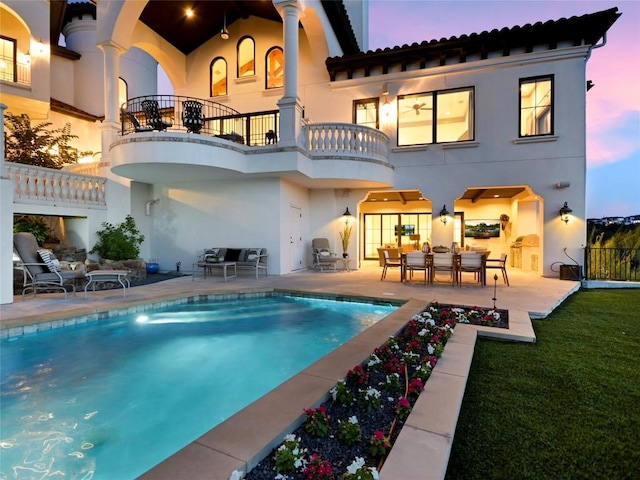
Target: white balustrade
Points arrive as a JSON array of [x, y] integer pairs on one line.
[[345, 139], [48, 186]]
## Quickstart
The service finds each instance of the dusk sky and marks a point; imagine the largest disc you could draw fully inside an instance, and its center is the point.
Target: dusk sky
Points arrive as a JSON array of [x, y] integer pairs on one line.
[[613, 104]]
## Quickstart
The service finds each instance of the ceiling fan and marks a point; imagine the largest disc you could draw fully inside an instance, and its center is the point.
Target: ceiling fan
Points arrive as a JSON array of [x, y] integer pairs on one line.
[[417, 107]]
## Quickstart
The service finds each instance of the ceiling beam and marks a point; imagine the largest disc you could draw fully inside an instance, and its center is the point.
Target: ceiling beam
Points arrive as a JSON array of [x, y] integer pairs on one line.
[[478, 195]]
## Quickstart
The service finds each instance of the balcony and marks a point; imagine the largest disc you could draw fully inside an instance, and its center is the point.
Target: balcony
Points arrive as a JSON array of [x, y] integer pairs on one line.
[[194, 139], [14, 72]]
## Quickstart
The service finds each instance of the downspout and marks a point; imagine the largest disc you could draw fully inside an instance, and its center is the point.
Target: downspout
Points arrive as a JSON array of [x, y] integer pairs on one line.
[[592, 47]]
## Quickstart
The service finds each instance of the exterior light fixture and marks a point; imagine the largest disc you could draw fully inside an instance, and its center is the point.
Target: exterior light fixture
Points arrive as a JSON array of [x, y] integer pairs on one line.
[[346, 215], [564, 213], [224, 33], [443, 214]]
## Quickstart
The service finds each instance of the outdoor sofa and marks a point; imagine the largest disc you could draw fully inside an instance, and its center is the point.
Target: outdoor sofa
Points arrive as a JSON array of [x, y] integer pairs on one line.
[[245, 258]]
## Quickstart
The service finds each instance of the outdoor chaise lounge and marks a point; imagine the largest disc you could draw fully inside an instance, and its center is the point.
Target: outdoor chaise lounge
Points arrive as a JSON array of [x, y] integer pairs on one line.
[[322, 254], [41, 271]]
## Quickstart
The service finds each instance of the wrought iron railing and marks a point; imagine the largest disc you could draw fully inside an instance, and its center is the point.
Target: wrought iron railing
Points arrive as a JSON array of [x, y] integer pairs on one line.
[[622, 264], [55, 187], [212, 119], [14, 72]]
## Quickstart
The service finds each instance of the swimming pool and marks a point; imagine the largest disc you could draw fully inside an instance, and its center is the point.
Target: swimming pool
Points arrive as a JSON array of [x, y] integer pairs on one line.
[[110, 399]]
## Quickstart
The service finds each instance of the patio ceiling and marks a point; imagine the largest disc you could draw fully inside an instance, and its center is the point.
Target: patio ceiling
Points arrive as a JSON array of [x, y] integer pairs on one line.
[[473, 194]]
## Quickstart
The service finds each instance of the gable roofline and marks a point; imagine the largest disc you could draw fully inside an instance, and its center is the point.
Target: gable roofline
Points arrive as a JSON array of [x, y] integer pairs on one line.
[[341, 25], [584, 30]]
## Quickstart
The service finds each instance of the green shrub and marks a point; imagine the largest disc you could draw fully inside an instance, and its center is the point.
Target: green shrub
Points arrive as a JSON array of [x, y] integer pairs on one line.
[[120, 242], [32, 224]]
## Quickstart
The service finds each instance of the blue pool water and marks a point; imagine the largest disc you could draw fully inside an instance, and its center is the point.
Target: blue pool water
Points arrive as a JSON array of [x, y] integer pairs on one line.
[[110, 399]]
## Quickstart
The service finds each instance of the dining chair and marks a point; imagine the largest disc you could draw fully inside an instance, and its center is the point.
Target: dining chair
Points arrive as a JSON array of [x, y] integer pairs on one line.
[[390, 262], [444, 262], [416, 262], [471, 262], [499, 263]]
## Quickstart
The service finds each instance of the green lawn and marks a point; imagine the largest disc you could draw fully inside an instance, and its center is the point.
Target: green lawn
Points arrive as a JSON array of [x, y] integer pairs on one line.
[[567, 407]]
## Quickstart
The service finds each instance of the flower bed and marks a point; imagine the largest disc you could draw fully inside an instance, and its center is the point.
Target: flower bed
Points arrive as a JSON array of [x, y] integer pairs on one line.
[[348, 437]]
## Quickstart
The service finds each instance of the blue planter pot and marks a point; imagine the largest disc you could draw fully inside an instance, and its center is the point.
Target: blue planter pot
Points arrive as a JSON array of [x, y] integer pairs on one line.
[[152, 268]]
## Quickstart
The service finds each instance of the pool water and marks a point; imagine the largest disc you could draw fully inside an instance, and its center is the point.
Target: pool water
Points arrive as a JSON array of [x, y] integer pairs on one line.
[[111, 399]]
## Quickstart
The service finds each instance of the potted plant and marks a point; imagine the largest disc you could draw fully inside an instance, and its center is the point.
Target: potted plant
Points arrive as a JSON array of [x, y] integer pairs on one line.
[[345, 237]]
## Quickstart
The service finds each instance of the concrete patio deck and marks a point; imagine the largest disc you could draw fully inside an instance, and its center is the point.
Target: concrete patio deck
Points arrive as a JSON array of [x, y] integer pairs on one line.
[[422, 449]]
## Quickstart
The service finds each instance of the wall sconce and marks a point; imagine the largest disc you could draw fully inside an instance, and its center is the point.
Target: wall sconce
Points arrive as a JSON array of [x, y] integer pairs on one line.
[[147, 206], [347, 216], [564, 213], [443, 214], [224, 33]]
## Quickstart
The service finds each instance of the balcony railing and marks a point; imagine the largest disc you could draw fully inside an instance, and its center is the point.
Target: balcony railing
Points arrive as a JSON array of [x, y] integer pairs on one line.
[[621, 264], [14, 72], [48, 186], [215, 119], [345, 140]]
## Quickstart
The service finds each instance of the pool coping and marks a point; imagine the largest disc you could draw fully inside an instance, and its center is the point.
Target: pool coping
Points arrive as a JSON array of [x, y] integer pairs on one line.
[[422, 448]]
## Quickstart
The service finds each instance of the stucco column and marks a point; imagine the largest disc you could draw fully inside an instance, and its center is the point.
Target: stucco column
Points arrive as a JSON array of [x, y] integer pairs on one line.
[[289, 104], [6, 225], [111, 124]]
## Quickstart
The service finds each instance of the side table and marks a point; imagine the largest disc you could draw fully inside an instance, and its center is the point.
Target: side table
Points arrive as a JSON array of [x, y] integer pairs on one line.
[[101, 276]]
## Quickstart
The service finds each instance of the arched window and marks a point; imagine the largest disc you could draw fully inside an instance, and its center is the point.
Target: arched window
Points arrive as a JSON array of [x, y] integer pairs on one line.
[[275, 67], [123, 92], [246, 57], [218, 77]]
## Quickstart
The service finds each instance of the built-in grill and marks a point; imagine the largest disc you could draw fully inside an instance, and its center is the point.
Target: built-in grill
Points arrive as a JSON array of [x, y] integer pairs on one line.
[[525, 252]]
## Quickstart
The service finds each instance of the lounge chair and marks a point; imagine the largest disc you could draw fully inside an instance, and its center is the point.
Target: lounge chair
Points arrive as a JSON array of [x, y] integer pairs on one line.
[[322, 254], [40, 270], [136, 124]]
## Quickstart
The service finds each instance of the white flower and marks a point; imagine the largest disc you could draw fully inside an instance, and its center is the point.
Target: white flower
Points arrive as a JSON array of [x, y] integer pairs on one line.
[[430, 349], [423, 332], [353, 419], [355, 466], [334, 393], [373, 360], [298, 463], [372, 392], [374, 472], [290, 438], [282, 447], [237, 475]]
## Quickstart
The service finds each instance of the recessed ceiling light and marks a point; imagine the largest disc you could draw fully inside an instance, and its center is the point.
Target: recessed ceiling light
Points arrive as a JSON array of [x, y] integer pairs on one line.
[[496, 196], [188, 12]]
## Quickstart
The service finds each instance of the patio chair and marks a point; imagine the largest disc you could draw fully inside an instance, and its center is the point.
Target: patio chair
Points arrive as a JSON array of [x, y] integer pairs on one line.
[[322, 254], [416, 262], [471, 262], [390, 262], [192, 117], [152, 112], [444, 262], [500, 263], [41, 271], [136, 124]]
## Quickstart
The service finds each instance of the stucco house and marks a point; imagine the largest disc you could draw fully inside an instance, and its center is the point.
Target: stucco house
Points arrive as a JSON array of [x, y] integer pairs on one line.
[[281, 119]]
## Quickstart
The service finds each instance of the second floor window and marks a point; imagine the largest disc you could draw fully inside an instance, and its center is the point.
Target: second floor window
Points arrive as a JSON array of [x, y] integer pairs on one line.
[[218, 77], [275, 68], [365, 112], [436, 117], [123, 92], [246, 57], [536, 106]]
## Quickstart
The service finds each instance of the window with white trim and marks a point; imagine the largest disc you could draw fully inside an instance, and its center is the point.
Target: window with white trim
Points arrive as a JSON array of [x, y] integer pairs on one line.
[[536, 106]]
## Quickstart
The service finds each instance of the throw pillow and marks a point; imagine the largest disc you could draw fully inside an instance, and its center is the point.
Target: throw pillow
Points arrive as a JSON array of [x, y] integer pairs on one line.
[[50, 259], [232, 255], [253, 253]]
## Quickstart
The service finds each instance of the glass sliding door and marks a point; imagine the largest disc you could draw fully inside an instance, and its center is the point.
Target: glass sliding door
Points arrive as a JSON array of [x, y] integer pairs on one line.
[[402, 230]]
